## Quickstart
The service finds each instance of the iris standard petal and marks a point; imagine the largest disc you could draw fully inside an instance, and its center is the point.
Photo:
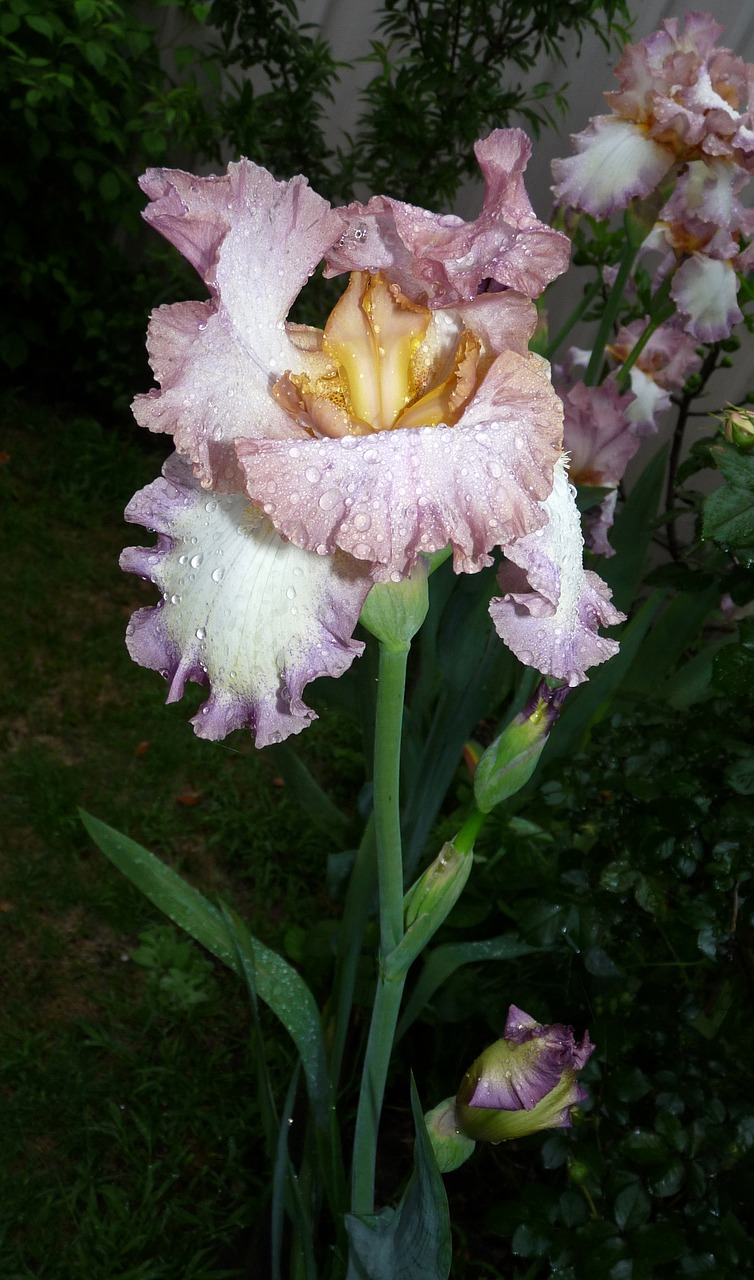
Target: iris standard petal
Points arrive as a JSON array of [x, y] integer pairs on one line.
[[440, 258], [255, 242], [243, 611]]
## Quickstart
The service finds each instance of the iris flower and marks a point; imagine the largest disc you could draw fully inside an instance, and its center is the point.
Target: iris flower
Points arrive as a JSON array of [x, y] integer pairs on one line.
[[683, 115], [682, 99], [312, 463]]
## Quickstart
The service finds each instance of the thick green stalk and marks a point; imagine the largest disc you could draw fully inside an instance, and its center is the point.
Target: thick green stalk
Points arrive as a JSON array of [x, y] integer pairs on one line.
[[387, 757], [359, 898], [609, 316]]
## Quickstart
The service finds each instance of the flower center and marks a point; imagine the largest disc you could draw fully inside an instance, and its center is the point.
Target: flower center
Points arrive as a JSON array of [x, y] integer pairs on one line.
[[383, 366]]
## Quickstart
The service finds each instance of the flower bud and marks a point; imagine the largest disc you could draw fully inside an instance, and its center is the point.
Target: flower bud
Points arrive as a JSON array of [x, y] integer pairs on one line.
[[451, 1147], [439, 887], [738, 426], [427, 905], [394, 611], [512, 758], [522, 1083]]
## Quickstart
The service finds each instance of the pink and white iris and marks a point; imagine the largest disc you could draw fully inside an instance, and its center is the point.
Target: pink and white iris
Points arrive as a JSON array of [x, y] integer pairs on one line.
[[684, 115], [312, 463], [681, 99]]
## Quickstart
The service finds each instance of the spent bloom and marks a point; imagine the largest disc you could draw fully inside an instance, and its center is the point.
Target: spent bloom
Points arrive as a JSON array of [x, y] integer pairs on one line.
[[312, 464], [524, 1082]]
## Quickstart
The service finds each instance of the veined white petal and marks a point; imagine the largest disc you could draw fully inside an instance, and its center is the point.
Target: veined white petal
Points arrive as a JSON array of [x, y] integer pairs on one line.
[[704, 290], [615, 162], [244, 611]]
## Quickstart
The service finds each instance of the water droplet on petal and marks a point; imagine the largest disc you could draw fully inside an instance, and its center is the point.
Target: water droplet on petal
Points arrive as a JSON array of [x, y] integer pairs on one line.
[[218, 575], [329, 499], [200, 633]]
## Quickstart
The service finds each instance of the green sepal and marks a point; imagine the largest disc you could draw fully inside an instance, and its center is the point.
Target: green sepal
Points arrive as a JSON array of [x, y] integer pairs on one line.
[[451, 1147]]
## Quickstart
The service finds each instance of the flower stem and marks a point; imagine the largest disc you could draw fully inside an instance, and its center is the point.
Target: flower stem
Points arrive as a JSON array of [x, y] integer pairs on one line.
[[387, 756], [573, 319], [609, 316], [661, 310], [359, 899]]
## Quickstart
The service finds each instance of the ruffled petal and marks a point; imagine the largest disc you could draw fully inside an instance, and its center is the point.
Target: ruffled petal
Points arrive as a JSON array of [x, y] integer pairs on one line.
[[387, 497], [255, 242], [704, 290], [243, 611], [615, 162], [441, 258], [552, 606]]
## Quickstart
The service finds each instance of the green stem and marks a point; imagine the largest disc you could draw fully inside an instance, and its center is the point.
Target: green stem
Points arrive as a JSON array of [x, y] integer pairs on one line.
[[355, 915], [387, 756], [387, 768], [573, 318], [609, 316], [464, 841], [661, 310]]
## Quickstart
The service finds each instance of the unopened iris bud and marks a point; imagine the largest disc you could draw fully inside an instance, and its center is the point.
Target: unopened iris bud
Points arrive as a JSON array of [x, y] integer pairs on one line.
[[512, 758], [738, 426], [439, 887], [427, 905], [522, 1083]]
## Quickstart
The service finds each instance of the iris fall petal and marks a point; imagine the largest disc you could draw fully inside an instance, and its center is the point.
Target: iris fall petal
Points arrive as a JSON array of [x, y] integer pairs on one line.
[[243, 611]]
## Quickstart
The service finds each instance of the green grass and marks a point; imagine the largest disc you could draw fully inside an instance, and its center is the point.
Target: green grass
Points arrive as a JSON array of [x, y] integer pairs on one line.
[[132, 1144]]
